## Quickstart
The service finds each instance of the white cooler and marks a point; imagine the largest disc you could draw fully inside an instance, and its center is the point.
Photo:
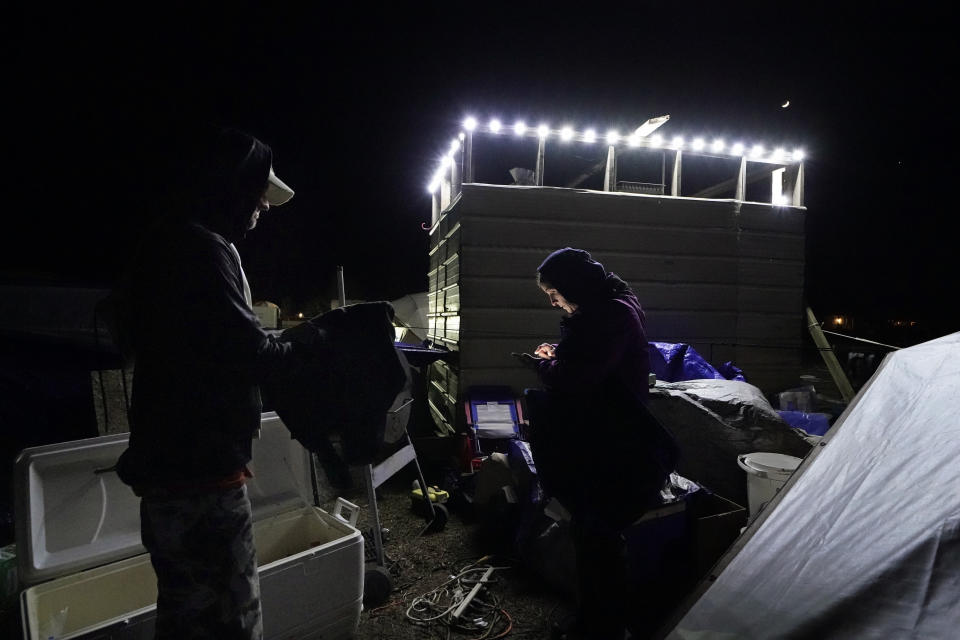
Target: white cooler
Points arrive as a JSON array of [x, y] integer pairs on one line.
[[88, 576]]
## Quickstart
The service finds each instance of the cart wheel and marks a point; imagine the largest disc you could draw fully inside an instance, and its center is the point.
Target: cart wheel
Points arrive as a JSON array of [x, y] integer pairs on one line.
[[377, 585], [440, 517]]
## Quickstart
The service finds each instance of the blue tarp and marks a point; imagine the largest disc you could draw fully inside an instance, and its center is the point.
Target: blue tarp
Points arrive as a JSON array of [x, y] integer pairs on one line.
[[675, 362], [814, 424]]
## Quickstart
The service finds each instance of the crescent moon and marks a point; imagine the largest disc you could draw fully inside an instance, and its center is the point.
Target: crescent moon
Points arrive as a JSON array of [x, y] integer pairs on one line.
[[785, 105]]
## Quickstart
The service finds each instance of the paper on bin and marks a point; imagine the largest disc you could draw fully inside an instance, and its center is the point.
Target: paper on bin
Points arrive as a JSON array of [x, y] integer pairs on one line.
[[494, 420]]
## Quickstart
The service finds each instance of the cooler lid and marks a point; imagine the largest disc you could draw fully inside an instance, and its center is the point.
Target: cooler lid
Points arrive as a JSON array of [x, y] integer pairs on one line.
[[282, 477], [73, 512], [772, 462]]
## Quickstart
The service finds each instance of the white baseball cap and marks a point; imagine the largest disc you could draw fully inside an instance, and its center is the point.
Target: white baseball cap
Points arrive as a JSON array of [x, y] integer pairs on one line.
[[278, 192]]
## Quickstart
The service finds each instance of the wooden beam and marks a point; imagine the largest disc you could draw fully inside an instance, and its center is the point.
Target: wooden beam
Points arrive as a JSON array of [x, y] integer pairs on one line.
[[829, 357]]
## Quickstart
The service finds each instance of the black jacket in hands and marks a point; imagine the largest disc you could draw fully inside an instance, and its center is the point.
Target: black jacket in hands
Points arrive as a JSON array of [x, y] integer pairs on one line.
[[350, 375]]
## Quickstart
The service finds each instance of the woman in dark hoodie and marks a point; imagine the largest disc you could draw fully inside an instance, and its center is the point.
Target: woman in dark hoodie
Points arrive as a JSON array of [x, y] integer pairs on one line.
[[597, 448]]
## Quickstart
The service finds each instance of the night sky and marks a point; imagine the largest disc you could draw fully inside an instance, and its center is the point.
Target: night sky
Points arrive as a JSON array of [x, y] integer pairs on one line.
[[358, 104]]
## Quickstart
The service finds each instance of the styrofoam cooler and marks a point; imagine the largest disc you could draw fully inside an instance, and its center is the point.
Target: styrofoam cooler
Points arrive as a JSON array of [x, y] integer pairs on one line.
[[88, 575]]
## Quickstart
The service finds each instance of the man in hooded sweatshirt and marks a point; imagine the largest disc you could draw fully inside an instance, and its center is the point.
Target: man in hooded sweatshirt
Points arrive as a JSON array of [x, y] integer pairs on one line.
[[597, 447], [184, 315]]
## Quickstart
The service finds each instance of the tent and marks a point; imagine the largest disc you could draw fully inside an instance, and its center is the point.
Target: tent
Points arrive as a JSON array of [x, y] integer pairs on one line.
[[864, 539]]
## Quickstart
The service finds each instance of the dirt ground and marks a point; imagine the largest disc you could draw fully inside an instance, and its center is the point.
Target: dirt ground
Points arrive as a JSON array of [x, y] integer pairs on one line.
[[420, 561]]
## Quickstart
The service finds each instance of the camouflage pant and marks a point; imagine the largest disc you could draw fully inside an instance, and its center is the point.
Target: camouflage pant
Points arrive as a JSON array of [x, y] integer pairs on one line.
[[202, 550]]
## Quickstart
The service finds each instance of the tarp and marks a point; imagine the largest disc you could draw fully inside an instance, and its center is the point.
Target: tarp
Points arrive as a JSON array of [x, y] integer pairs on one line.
[[714, 421], [674, 362], [864, 540]]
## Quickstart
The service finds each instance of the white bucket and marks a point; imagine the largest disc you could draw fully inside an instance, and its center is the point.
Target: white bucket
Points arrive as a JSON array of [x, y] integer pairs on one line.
[[766, 473]]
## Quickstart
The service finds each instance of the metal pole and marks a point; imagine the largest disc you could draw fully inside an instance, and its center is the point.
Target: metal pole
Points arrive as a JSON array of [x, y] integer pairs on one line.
[[456, 184], [610, 177], [538, 174], [341, 290], [798, 187], [663, 172], [468, 157], [435, 213], [675, 185], [742, 181]]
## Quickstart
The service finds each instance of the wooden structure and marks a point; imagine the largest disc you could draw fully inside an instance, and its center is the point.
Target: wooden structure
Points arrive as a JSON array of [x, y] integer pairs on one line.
[[724, 275]]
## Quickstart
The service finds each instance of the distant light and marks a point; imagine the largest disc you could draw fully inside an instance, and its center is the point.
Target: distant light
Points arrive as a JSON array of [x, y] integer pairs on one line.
[[566, 133], [778, 154], [756, 151], [798, 155], [698, 144], [470, 123], [495, 126], [737, 149], [634, 140], [838, 321], [543, 131], [677, 142], [300, 315], [454, 145], [590, 136], [656, 140], [461, 135], [717, 145], [613, 137], [520, 128]]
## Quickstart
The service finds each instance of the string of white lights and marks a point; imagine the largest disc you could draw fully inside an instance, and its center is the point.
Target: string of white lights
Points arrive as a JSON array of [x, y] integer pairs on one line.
[[717, 147]]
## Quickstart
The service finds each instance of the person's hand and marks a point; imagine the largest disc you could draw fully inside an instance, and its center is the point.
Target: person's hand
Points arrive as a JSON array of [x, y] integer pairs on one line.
[[528, 360], [545, 351]]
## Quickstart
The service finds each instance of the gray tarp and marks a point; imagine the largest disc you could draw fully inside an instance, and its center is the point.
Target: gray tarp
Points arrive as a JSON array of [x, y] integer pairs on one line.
[[714, 421], [864, 540]]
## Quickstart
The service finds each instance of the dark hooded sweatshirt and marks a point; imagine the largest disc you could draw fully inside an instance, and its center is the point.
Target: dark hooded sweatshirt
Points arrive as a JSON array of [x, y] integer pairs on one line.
[[200, 355], [597, 446]]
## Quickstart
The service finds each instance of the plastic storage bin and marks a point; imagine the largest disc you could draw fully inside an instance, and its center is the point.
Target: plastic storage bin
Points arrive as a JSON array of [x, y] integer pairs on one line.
[[88, 576]]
